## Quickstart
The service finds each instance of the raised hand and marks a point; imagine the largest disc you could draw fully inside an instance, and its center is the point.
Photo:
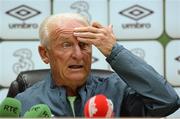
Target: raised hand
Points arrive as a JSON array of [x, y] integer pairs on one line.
[[101, 37]]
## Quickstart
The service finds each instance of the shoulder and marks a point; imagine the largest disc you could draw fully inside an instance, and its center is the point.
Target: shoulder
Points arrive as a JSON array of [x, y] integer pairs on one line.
[[35, 90], [33, 95]]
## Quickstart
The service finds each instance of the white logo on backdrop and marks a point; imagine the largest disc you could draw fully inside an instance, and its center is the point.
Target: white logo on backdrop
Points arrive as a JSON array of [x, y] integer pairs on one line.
[[25, 62], [136, 13], [23, 12], [82, 8]]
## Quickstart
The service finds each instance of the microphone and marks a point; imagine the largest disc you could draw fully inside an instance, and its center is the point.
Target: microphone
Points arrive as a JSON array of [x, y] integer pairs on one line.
[[98, 106], [38, 111], [10, 107]]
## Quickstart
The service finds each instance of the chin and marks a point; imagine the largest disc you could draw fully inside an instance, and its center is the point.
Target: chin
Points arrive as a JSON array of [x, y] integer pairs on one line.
[[77, 76]]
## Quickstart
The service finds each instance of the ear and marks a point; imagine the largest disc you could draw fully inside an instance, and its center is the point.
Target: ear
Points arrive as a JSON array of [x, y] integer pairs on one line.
[[44, 54]]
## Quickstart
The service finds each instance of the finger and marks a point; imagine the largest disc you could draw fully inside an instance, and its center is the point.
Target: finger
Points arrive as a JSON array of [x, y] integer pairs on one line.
[[110, 27], [97, 25], [86, 29], [85, 35], [90, 30]]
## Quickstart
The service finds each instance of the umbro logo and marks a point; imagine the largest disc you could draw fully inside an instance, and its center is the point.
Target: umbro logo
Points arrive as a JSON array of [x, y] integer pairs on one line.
[[136, 12], [23, 12]]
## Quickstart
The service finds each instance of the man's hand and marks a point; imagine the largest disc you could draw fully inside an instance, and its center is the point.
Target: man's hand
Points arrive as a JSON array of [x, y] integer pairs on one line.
[[102, 37]]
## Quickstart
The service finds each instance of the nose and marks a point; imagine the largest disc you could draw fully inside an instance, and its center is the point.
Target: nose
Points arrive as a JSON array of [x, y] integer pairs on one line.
[[77, 53]]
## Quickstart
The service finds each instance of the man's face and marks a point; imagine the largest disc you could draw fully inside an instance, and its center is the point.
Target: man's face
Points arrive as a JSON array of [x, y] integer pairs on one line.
[[70, 60]]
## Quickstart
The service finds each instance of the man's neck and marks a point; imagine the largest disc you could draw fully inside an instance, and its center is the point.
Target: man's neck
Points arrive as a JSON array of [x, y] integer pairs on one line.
[[71, 91]]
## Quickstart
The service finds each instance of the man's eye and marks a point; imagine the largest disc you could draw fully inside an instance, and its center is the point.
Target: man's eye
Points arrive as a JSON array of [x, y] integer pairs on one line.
[[67, 45], [83, 45]]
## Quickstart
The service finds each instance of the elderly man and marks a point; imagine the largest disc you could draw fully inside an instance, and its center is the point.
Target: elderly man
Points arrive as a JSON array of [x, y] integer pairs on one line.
[[135, 88]]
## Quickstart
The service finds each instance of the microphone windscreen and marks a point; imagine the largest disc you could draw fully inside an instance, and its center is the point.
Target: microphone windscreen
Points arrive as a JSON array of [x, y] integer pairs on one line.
[[10, 107], [98, 106], [38, 111]]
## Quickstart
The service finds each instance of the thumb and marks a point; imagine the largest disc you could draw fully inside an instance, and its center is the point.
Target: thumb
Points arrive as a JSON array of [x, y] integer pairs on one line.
[[110, 28]]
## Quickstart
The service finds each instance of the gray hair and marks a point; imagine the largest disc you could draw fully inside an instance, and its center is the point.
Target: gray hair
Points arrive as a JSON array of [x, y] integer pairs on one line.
[[44, 27]]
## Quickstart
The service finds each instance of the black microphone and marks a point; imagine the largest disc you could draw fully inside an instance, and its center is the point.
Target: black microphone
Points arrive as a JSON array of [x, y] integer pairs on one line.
[[10, 107]]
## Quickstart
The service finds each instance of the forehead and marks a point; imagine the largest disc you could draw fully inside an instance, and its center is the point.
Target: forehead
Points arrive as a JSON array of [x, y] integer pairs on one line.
[[64, 28], [65, 25], [70, 24]]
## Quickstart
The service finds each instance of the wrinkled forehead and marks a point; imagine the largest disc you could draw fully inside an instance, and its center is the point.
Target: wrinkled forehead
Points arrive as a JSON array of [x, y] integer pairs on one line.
[[71, 24], [65, 26]]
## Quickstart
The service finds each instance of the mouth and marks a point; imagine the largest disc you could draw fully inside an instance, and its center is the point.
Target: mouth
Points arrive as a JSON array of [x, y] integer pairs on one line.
[[75, 66]]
